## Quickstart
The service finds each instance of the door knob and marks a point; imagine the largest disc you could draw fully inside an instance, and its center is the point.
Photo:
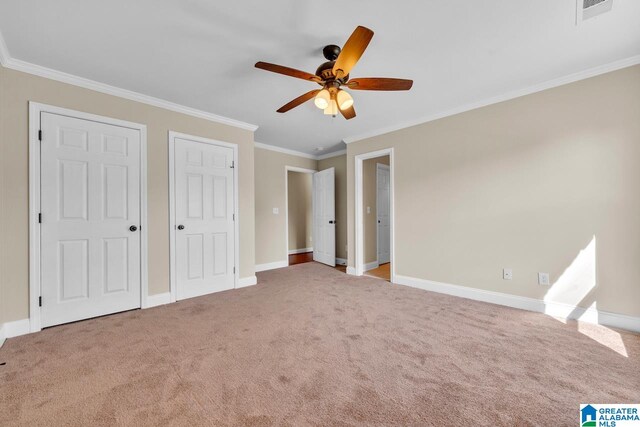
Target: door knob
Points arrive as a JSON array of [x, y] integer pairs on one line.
[[181, 227], [332, 222], [133, 228]]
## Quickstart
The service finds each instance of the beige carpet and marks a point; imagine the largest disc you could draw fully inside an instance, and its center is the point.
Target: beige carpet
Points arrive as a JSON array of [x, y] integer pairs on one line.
[[312, 346]]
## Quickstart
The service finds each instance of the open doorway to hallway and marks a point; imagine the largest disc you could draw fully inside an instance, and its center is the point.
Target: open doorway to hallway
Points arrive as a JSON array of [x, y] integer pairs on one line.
[[299, 216], [376, 217]]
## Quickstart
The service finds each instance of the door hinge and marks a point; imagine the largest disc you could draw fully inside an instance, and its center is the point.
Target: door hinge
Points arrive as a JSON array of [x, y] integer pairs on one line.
[[233, 164], [39, 218], [40, 135], [234, 270], [233, 216], [39, 301]]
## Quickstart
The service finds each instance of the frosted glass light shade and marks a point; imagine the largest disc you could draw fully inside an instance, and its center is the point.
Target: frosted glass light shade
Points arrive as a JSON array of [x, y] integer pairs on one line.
[[332, 109], [344, 100], [322, 99]]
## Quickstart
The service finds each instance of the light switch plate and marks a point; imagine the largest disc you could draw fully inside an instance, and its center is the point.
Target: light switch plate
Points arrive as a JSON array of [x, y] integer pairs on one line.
[[543, 279], [276, 211], [368, 209], [507, 274]]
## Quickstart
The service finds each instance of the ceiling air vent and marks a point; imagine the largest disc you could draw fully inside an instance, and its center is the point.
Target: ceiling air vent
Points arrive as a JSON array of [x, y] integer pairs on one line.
[[586, 9]]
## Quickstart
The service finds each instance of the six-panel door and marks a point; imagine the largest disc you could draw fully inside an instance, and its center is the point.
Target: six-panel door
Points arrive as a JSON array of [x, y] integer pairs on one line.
[[90, 231], [204, 230]]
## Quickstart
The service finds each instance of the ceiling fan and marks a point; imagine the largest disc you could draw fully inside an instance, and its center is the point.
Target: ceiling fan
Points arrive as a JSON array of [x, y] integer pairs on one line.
[[334, 74]]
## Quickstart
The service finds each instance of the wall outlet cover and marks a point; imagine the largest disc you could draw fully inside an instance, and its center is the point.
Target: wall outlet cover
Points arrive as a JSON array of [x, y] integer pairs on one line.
[[276, 211]]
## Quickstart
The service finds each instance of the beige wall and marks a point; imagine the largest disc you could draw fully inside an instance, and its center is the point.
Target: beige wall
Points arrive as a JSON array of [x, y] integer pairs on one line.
[[17, 89], [340, 164], [299, 206], [369, 199], [531, 184], [270, 176]]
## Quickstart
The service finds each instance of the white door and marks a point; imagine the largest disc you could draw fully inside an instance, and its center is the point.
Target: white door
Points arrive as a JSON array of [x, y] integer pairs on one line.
[[204, 232], [383, 206], [90, 231], [324, 217]]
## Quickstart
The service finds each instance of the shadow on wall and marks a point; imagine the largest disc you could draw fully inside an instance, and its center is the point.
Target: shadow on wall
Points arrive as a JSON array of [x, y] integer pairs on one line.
[[574, 290]]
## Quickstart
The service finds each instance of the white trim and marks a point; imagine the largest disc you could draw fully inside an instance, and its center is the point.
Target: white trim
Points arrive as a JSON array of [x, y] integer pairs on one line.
[[284, 150], [298, 153], [341, 261], [332, 154], [554, 309], [351, 271], [359, 159], [247, 281], [2, 337], [371, 265], [158, 299], [16, 328], [271, 265], [48, 73], [571, 78], [35, 111], [172, 205], [300, 251], [288, 169], [4, 52]]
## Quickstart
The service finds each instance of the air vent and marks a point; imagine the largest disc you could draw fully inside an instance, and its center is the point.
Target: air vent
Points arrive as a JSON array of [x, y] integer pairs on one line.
[[586, 9]]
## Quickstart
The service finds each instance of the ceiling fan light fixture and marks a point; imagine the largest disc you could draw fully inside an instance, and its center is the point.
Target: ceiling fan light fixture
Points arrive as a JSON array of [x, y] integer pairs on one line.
[[344, 99], [332, 109], [322, 99]]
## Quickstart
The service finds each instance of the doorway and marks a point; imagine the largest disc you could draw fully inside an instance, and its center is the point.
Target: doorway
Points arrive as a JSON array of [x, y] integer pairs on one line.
[[374, 215], [299, 214]]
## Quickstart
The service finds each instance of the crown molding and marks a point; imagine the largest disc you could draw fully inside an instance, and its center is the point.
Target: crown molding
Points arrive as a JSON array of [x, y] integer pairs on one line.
[[4, 51], [571, 78], [26, 67], [332, 154], [298, 153]]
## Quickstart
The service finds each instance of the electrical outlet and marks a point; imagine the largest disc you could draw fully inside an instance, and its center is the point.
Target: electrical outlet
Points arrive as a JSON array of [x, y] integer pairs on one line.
[[507, 274], [368, 210], [276, 211], [543, 279]]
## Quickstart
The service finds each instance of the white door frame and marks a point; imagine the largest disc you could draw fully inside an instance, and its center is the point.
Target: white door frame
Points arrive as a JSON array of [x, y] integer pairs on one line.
[[288, 169], [35, 110], [359, 200], [173, 281], [380, 166]]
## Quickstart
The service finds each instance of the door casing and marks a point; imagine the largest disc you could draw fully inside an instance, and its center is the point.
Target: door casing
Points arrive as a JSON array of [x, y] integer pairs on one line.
[[35, 110], [172, 207]]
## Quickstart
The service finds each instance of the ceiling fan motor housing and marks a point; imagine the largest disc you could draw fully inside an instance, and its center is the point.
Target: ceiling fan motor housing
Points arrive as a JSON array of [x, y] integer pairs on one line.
[[325, 71]]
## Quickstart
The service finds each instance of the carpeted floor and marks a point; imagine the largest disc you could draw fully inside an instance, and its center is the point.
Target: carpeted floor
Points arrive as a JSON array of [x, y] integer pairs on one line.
[[313, 346]]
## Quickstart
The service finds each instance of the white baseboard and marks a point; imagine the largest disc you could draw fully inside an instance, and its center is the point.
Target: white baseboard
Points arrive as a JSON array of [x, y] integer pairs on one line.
[[272, 265], [158, 299], [14, 329], [554, 309], [341, 261], [247, 281], [371, 265], [351, 270], [300, 251]]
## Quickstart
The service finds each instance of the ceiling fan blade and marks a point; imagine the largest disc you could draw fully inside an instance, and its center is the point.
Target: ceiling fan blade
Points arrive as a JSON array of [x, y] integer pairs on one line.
[[352, 51], [292, 72], [299, 100], [348, 113], [379, 83]]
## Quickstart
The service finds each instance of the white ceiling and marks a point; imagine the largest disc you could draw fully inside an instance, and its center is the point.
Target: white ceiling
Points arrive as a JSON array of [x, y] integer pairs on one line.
[[200, 53]]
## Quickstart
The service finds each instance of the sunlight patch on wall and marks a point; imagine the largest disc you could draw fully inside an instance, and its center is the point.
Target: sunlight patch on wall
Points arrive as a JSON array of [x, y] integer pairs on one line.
[[573, 286]]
